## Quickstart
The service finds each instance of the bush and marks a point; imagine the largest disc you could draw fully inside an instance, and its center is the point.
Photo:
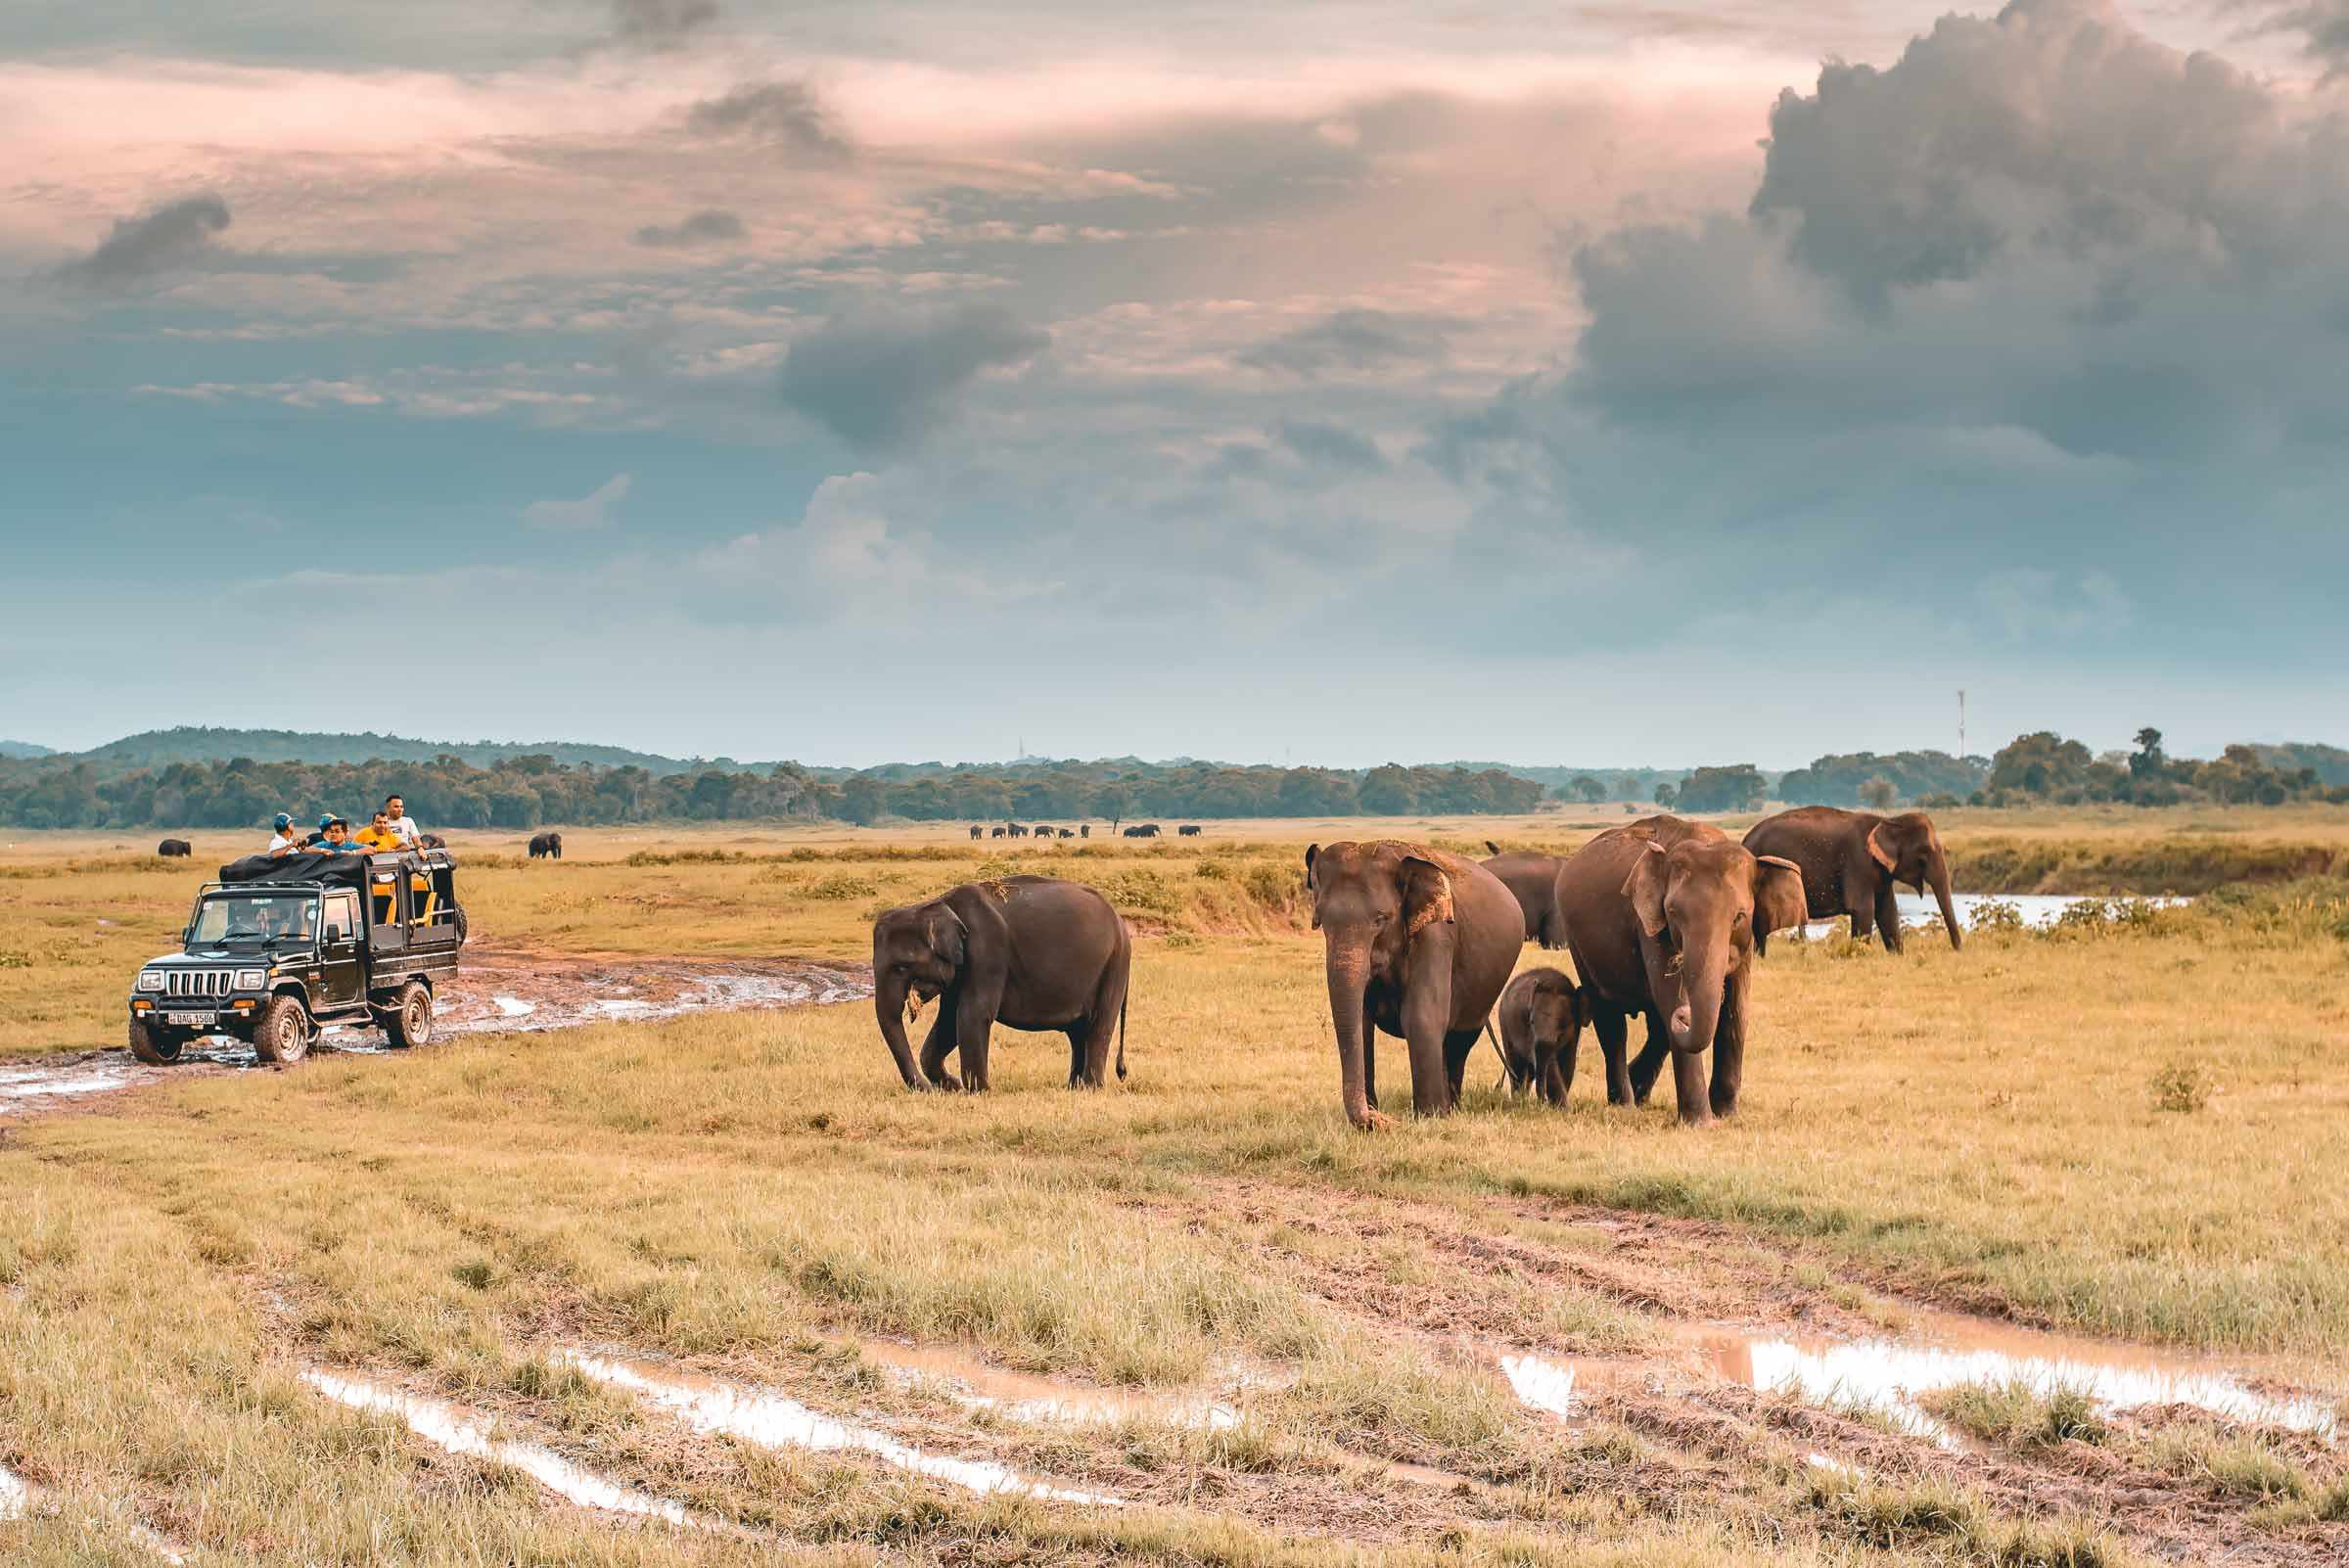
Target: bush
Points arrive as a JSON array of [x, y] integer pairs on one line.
[[1996, 914], [2182, 1087], [841, 887]]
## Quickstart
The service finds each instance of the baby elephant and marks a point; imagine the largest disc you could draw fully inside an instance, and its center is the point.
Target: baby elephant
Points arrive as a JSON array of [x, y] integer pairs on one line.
[[1542, 1019]]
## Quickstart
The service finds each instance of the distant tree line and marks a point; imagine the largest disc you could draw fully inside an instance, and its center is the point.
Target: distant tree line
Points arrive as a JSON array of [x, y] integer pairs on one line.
[[2044, 766], [527, 792]]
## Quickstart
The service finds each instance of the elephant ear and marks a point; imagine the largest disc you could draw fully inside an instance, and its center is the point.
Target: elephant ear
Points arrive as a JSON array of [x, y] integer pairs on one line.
[[1878, 850], [1644, 887], [1426, 893], [949, 937], [1779, 901]]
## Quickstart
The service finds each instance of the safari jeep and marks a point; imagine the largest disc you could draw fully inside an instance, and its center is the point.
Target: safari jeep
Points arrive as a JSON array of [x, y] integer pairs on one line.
[[278, 948]]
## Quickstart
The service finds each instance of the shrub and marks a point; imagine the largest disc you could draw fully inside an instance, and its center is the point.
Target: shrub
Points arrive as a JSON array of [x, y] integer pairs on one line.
[[1996, 914], [1139, 890], [841, 885], [2182, 1087]]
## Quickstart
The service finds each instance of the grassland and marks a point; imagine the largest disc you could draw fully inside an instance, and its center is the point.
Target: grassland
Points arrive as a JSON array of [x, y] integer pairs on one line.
[[1983, 1130]]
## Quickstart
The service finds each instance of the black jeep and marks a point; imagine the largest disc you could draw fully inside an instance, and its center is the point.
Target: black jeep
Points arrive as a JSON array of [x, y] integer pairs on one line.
[[278, 948]]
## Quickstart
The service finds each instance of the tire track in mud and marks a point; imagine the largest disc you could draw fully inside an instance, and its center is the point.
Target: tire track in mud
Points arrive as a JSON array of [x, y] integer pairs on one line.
[[497, 990], [1727, 1311]]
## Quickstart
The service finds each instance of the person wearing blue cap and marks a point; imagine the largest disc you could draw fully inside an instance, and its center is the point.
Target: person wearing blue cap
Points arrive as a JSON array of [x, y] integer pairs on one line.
[[283, 843]]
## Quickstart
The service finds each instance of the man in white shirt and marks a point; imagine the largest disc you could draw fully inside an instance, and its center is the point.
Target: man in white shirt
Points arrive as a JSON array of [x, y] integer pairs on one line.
[[396, 812], [284, 842]]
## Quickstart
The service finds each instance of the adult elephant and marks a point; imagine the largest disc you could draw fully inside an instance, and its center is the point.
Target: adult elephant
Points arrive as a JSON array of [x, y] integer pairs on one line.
[[174, 849], [430, 840], [1028, 952], [547, 847], [1851, 862], [1533, 879], [1661, 917], [1417, 942], [974, 830]]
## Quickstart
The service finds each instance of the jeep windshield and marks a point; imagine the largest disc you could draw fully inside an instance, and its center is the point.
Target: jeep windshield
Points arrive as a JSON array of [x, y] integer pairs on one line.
[[259, 920]]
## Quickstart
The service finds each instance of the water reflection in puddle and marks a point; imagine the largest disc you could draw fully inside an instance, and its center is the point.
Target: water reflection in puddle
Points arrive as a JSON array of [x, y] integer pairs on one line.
[[459, 1433], [1025, 1397], [2039, 910], [768, 1418], [1954, 1351], [1543, 1385]]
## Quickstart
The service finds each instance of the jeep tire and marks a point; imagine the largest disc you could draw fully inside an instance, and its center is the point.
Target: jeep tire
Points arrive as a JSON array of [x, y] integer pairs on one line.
[[281, 1032], [157, 1047], [408, 1021]]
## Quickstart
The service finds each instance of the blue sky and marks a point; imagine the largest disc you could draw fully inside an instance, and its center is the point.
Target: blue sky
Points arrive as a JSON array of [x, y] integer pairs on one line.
[[1609, 382]]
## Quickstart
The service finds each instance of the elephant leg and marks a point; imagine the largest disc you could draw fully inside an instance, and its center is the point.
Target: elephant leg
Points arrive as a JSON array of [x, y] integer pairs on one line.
[[1612, 1028], [1689, 1088], [1729, 1049], [939, 1045], [1426, 1014], [1558, 1067], [974, 1020], [1863, 919], [1650, 1060], [1096, 1032], [1457, 1048], [1076, 1055], [1371, 1064], [1888, 915]]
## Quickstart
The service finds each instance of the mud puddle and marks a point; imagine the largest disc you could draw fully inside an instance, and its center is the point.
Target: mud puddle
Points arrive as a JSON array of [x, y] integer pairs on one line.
[[17, 1502], [771, 1420], [453, 1429], [498, 992], [1023, 1396], [2038, 910]]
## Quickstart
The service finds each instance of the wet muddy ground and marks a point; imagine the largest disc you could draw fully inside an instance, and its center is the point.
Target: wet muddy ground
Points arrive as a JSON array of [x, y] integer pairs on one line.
[[499, 991]]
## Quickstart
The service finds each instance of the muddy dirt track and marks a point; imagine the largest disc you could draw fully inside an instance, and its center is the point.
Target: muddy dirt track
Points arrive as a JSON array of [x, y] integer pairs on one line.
[[499, 991]]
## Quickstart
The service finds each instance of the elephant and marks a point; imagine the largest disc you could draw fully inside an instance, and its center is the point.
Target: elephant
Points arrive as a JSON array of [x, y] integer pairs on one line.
[[1417, 942], [974, 830], [1661, 917], [1042, 832], [1086, 831], [1017, 831], [1542, 1017], [999, 832], [1189, 830], [430, 840], [1533, 879], [1066, 833], [1027, 952], [547, 847], [174, 849], [1850, 861]]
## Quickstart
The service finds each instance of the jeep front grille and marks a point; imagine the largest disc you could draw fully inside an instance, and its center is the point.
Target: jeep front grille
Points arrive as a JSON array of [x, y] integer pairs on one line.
[[197, 981]]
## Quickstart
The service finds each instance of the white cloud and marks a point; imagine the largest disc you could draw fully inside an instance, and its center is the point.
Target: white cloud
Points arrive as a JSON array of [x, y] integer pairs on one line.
[[593, 510]]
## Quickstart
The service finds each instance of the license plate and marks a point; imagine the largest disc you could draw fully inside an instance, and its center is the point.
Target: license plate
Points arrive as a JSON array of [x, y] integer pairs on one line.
[[192, 1020]]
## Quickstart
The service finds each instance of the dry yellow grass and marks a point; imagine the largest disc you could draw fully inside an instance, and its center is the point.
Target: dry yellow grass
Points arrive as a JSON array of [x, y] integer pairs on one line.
[[1981, 1128]]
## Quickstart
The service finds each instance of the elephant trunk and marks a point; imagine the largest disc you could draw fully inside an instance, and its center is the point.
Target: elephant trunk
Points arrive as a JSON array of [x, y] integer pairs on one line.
[[1702, 978], [889, 1005], [1938, 871], [1349, 981]]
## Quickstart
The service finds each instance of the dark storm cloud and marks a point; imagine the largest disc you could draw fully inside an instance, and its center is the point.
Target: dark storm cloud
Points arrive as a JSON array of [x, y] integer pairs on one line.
[[2323, 26], [883, 382], [1353, 340], [171, 237], [778, 113], [660, 24], [711, 226]]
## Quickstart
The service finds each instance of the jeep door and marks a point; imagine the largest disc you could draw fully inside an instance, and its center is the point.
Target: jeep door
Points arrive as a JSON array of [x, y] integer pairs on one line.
[[342, 979]]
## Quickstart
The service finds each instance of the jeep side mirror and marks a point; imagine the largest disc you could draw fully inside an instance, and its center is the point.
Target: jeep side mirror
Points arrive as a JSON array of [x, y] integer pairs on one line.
[[187, 934], [334, 934]]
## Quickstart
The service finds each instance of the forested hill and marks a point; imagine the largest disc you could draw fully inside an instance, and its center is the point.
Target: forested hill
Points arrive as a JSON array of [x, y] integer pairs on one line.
[[8, 748], [160, 748]]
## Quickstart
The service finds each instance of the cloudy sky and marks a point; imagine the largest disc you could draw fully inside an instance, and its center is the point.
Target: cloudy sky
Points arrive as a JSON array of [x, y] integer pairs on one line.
[[1337, 382]]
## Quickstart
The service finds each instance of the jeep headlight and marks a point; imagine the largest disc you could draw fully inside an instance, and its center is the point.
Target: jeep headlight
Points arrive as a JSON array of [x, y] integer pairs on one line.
[[252, 979], [151, 980]]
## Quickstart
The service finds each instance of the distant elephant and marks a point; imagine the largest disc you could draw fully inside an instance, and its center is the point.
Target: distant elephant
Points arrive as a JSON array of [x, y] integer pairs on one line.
[[1027, 952], [999, 832], [1086, 832], [1066, 833], [1018, 832], [974, 830], [174, 849], [547, 847], [1850, 861], [430, 840], [1042, 832], [1542, 1017], [1189, 830], [1148, 830], [1417, 942], [1661, 918], [1533, 879]]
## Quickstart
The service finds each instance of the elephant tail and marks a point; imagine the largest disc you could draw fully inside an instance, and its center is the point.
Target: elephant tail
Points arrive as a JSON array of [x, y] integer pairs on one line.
[[1122, 1002], [1497, 1050]]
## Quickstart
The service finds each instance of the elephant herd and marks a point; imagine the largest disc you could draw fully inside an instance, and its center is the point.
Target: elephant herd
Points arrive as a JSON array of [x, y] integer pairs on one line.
[[1664, 918], [1140, 830]]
